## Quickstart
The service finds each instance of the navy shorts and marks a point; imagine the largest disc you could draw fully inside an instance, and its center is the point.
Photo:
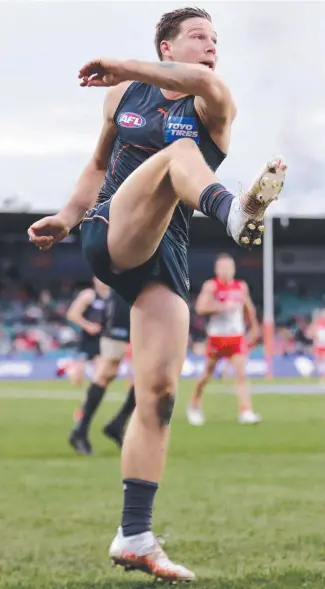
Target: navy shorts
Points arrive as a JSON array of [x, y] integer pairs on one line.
[[168, 264], [88, 348]]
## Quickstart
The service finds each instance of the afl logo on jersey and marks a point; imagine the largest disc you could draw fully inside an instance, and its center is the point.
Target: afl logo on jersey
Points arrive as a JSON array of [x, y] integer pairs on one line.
[[131, 120]]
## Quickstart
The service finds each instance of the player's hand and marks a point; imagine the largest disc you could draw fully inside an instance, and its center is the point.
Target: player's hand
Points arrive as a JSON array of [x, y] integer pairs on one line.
[[231, 305], [47, 231], [101, 72], [93, 328], [253, 335]]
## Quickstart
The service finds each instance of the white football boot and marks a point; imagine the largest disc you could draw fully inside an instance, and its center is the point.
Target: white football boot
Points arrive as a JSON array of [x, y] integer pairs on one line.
[[249, 417], [246, 216], [144, 553], [195, 415]]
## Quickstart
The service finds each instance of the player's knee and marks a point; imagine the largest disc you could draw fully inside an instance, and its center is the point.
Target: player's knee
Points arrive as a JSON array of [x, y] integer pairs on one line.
[[206, 377], [241, 374], [163, 389], [181, 146], [165, 408], [159, 404], [208, 373], [103, 380], [105, 373]]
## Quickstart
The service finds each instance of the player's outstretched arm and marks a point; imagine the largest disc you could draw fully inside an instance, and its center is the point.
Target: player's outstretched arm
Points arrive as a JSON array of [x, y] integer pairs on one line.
[[193, 79], [49, 230], [206, 303]]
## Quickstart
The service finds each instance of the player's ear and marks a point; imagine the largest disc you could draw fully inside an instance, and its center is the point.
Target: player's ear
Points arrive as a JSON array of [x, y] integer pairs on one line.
[[165, 48]]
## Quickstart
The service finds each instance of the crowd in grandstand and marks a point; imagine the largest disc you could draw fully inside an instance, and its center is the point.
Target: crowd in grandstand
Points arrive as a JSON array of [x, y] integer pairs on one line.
[[35, 322]]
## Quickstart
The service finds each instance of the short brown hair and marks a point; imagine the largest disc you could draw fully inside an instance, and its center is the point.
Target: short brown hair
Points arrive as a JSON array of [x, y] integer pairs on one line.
[[224, 256], [168, 26]]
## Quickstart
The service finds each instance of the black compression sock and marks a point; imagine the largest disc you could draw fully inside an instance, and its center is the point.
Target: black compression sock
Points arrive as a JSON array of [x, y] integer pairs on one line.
[[215, 202], [125, 412], [95, 394], [138, 501]]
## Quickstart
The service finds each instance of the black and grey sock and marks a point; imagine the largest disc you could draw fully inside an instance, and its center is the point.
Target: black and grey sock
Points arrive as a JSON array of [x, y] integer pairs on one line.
[[138, 502], [95, 394], [119, 421], [215, 202]]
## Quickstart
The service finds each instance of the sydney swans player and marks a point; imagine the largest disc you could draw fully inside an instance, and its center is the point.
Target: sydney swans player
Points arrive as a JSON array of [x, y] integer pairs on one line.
[[227, 303]]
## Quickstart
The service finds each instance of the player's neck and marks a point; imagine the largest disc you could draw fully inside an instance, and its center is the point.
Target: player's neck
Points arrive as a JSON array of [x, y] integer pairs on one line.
[[224, 281]]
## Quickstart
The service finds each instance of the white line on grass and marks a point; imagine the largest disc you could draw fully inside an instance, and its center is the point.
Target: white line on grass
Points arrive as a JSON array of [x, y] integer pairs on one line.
[[221, 388]]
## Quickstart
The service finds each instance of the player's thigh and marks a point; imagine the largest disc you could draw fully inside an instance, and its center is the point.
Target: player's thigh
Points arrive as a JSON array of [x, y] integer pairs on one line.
[[106, 368], [210, 364], [112, 349], [159, 336], [96, 360], [239, 362], [142, 207], [140, 213]]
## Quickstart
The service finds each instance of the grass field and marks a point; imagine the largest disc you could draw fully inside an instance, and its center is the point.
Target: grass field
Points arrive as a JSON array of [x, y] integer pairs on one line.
[[242, 506]]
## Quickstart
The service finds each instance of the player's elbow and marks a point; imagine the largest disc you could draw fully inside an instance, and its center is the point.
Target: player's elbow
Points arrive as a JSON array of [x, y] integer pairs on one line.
[[71, 317], [97, 164], [213, 86]]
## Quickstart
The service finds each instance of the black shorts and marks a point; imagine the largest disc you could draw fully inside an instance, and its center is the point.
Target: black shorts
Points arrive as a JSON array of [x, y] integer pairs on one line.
[[168, 264], [88, 347], [116, 321]]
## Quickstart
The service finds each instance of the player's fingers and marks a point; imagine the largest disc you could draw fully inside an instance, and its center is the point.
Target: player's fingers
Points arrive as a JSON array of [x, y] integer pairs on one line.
[[41, 241], [84, 70], [93, 77], [99, 82], [91, 67], [92, 80], [46, 247], [31, 233]]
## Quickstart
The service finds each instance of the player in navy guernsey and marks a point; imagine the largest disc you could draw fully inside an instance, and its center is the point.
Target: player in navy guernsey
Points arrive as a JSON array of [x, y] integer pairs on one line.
[[86, 311], [112, 344], [164, 135]]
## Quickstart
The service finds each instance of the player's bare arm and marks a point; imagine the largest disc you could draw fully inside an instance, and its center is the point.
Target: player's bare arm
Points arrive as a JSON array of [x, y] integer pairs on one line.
[[77, 309], [250, 315], [213, 101], [52, 229]]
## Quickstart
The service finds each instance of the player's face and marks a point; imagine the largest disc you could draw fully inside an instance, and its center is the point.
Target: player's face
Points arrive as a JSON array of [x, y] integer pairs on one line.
[[195, 43], [100, 287], [225, 269]]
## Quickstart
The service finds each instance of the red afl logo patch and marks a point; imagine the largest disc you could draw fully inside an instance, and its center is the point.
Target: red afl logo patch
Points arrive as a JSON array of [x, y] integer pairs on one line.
[[131, 120]]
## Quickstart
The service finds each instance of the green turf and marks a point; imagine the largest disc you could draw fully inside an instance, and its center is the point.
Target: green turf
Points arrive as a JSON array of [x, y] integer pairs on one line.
[[242, 506]]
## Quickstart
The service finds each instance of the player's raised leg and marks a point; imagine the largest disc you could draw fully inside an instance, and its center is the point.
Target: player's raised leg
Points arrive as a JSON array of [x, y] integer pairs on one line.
[[151, 193], [158, 361]]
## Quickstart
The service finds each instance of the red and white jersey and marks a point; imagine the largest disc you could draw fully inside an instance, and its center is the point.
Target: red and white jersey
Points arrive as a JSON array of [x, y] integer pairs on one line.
[[229, 323], [319, 333]]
